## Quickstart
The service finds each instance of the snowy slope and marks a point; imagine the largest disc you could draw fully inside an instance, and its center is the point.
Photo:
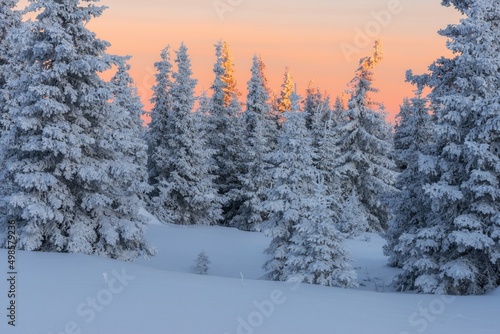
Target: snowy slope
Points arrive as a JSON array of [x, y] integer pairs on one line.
[[66, 293]]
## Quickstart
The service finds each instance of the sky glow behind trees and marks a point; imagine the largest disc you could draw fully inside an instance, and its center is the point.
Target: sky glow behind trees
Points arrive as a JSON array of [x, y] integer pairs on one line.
[[306, 36]]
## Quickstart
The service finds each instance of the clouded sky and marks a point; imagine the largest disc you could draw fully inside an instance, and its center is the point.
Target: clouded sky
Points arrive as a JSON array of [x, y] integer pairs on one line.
[[320, 40]]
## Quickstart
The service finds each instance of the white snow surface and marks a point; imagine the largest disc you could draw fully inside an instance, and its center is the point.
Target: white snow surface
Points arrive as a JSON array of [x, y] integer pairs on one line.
[[163, 295]]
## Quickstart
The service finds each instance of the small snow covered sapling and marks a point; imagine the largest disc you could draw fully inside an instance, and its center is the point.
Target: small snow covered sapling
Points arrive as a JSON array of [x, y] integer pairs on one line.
[[201, 263]]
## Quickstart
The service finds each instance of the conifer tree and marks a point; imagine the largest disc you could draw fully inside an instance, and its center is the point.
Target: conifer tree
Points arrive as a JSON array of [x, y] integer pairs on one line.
[[364, 141], [225, 131], [461, 253], [258, 106], [231, 92], [295, 100], [9, 19], [187, 194], [204, 104], [314, 106], [338, 110], [284, 102], [293, 176], [202, 263], [316, 254], [353, 221], [301, 218], [259, 140], [412, 144], [161, 110], [70, 190], [128, 138]]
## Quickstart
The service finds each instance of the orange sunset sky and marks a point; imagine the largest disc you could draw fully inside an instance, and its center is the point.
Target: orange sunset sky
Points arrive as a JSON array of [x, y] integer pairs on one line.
[[308, 36]]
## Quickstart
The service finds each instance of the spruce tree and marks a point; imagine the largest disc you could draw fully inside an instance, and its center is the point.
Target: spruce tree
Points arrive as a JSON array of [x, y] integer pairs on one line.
[[284, 102], [301, 217], [70, 188], [353, 221], [462, 253], [161, 110], [128, 138], [9, 20], [364, 141], [225, 129], [316, 254], [325, 145], [258, 105], [338, 110], [259, 140], [187, 194], [314, 106], [410, 213], [293, 176]]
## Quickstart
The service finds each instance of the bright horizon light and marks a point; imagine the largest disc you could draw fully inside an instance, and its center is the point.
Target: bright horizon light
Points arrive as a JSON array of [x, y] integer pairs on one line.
[[320, 41]]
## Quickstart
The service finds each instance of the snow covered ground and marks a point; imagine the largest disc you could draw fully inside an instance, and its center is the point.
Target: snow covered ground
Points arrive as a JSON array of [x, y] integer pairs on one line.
[[67, 293]]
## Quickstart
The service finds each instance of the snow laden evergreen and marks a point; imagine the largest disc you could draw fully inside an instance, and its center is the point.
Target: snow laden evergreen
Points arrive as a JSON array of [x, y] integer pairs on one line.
[[284, 102], [460, 253], [70, 187], [9, 19], [298, 214], [338, 110], [314, 106], [410, 204], [161, 110], [204, 104], [128, 138], [292, 175], [352, 221], [224, 131], [201, 264], [319, 121], [259, 139], [364, 141], [316, 254], [258, 105], [186, 189]]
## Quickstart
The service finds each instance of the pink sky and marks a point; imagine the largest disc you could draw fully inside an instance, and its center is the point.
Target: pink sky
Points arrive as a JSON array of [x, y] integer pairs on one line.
[[307, 36]]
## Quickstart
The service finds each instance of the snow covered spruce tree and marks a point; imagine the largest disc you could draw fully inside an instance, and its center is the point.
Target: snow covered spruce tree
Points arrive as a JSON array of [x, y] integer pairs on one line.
[[9, 19], [186, 189], [461, 254], [284, 102], [298, 218], [202, 264], [316, 254], [258, 107], [314, 106], [319, 121], [70, 187], [292, 175], [338, 109], [364, 141], [129, 133], [161, 110], [259, 137], [225, 131], [351, 221], [410, 204]]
